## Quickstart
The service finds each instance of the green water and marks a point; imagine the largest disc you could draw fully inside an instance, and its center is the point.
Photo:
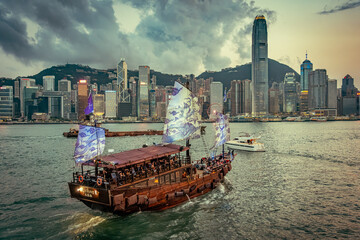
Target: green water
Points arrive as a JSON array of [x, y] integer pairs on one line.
[[306, 185]]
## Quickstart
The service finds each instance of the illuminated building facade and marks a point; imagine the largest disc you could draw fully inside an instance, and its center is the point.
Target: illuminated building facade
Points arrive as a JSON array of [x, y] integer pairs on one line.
[[99, 104], [82, 98], [259, 69]]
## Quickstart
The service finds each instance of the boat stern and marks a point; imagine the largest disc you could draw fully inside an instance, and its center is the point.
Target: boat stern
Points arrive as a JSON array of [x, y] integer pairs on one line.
[[89, 195]]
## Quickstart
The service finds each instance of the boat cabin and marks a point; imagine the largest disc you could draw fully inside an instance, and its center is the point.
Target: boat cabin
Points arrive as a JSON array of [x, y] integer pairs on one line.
[[141, 167]]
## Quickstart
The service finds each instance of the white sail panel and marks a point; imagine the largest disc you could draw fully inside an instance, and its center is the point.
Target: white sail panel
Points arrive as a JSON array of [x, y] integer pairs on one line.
[[90, 143], [183, 115], [222, 130]]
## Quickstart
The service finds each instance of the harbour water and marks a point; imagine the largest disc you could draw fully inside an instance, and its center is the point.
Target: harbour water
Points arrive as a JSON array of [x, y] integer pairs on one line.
[[305, 186]]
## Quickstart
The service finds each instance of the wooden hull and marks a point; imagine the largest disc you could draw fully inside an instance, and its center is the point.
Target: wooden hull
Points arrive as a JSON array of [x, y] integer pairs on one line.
[[129, 199]]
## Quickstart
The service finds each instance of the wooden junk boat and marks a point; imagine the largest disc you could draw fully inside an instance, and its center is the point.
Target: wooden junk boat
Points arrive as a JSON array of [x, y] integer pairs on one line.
[[148, 178]]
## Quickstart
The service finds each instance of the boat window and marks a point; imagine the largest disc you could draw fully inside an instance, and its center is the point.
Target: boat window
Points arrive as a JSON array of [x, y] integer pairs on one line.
[[162, 179], [177, 174], [173, 178], [167, 178]]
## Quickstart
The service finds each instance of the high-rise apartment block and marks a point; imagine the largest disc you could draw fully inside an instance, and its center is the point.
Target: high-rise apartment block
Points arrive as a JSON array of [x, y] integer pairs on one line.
[[259, 84]]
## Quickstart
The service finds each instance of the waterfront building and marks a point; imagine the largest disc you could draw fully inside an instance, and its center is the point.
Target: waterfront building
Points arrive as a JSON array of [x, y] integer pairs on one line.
[[305, 68], [6, 102], [259, 69], [216, 99], [49, 83], [64, 85], [29, 96], [304, 101], [274, 97], [99, 104], [82, 98], [143, 97], [290, 93], [152, 100], [23, 83], [57, 104], [110, 104], [240, 97], [332, 94], [161, 110], [347, 88], [122, 82], [318, 89]]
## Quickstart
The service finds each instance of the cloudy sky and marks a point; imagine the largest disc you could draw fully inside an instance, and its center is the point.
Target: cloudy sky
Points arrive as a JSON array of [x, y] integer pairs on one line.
[[176, 36]]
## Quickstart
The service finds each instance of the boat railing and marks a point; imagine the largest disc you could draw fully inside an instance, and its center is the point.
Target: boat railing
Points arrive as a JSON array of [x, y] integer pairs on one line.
[[129, 175]]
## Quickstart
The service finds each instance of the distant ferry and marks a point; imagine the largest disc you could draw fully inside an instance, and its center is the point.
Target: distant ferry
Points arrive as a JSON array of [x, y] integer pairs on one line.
[[319, 119]]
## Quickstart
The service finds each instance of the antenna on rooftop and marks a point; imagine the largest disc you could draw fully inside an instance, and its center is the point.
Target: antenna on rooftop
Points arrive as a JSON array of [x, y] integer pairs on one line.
[[306, 55]]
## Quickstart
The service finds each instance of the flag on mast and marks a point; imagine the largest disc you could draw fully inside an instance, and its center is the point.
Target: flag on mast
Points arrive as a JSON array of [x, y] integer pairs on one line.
[[90, 107]]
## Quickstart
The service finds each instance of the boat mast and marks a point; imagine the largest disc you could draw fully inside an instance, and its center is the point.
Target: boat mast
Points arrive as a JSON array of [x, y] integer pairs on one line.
[[188, 159]]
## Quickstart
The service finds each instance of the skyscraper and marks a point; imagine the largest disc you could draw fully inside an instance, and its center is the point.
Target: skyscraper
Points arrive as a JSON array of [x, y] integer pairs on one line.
[[289, 99], [49, 83], [240, 97], [122, 82], [216, 99], [64, 85], [82, 98], [347, 88], [144, 82], [305, 68], [110, 104], [259, 84], [6, 102], [318, 89]]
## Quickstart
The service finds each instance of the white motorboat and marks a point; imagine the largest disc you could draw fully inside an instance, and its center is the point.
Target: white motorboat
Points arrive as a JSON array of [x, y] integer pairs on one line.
[[246, 142]]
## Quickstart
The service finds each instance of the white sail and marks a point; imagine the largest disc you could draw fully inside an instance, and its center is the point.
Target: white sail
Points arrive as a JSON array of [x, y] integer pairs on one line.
[[222, 130], [183, 115], [90, 143]]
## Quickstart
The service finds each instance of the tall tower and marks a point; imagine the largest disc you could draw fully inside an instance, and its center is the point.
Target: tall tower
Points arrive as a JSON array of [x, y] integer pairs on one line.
[[82, 98], [122, 82], [305, 68], [144, 87], [259, 69]]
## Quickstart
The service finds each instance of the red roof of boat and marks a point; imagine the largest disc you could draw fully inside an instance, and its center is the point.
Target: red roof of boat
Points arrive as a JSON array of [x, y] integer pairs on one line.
[[141, 154]]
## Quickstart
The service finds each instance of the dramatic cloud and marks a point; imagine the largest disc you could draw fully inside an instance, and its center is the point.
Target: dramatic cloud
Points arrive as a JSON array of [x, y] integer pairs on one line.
[[345, 6], [172, 36]]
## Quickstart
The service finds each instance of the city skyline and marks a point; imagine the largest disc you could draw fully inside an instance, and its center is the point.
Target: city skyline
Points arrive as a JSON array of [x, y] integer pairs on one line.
[[171, 37]]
